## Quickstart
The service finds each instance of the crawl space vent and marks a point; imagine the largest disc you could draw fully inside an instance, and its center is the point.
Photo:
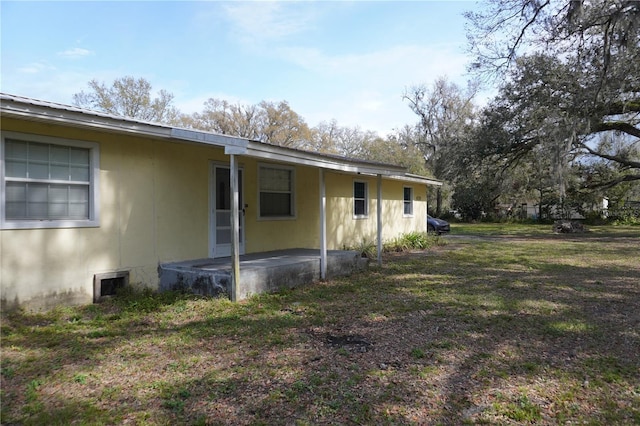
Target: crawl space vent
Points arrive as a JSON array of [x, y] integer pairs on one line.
[[107, 284]]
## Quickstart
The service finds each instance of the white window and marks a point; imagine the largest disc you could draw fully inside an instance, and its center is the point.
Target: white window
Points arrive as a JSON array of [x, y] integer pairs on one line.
[[408, 201], [360, 199], [276, 192], [48, 182]]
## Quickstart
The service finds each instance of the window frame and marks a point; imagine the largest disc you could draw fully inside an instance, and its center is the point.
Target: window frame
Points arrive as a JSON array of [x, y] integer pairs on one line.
[[365, 215], [94, 183], [292, 206], [406, 202]]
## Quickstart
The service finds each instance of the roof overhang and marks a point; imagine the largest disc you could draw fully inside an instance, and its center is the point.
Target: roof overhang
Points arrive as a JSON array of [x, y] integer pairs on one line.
[[408, 177], [35, 110], [48, 112]]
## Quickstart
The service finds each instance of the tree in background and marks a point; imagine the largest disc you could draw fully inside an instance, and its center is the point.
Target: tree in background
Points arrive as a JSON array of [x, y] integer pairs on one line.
[[283, 126], [446, 116], [571, 77], [129, 97], [269, 122], [220, 116], [394, 151]]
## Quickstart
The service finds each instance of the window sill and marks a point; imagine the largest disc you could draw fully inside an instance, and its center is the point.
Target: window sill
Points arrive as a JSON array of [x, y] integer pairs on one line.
[[49, 224]]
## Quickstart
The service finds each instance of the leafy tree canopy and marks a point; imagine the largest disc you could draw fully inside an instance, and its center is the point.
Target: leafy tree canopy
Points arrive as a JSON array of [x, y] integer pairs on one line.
[[572, 76]]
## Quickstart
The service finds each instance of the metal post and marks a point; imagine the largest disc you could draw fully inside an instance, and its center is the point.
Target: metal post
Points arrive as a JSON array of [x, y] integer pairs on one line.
[[323, 227], [235, 226], [379, 212]]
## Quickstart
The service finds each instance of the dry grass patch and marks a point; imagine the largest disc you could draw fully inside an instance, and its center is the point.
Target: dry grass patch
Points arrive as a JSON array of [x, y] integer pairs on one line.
[[527, 328]]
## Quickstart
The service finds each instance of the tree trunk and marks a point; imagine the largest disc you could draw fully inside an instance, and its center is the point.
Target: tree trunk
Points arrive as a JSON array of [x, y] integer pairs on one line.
[[540, 208]]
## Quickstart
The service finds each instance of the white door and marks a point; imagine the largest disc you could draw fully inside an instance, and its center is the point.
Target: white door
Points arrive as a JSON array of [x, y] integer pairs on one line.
[[221, 212]]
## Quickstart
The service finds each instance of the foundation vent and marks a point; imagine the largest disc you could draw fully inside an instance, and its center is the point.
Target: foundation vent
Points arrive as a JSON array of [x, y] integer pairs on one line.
[[107, 284]]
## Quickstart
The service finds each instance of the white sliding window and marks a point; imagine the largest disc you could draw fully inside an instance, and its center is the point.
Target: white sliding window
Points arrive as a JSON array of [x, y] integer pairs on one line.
[[48, 182]]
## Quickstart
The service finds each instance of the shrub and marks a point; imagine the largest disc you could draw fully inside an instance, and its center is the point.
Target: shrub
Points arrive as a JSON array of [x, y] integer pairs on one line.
[[404, 242], [397, 244], [413, 241], [417, 240], [366, 249]]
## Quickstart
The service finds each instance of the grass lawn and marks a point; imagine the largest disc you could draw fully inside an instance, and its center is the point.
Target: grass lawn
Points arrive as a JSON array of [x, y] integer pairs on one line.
[[502, 325]]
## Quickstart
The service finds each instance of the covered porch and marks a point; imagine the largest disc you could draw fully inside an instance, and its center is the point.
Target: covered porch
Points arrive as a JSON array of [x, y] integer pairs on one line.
[[261, 272], [241, 275]]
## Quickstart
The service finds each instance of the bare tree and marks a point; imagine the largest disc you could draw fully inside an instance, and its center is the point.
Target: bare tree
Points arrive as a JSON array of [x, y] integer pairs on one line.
[[446, 114], [223, 117], [129, 97], [283, 126]]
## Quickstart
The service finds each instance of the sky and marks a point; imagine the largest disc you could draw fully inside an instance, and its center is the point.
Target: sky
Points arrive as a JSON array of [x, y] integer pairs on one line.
[[330, 60]]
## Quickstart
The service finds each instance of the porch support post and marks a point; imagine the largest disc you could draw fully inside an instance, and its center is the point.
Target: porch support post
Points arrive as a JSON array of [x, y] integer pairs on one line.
[[379, 216], [323, 227], [235, 226]]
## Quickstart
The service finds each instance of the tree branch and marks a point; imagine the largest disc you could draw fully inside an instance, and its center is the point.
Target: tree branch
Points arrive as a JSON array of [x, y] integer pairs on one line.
[[524, 29], [623, 107], [614, 182], [619, 126], [630, 163]]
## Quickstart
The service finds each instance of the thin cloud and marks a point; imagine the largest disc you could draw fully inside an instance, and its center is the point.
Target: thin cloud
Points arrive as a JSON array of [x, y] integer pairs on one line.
[[372, 83], [265, 21], [75, 52], [402, 61], [34, 68]]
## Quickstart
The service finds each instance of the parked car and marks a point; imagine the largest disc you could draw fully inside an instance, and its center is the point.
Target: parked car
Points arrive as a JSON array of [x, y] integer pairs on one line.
[[437, 226]]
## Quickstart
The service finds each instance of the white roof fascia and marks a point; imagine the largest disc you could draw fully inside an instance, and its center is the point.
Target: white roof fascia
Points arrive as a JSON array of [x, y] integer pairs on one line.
[[408, 177], [36, 110], [238, 144], [76, 118], [274, 153]]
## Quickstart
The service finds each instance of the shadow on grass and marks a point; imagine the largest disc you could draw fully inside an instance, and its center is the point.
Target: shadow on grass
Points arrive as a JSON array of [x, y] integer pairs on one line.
[[501, 331]]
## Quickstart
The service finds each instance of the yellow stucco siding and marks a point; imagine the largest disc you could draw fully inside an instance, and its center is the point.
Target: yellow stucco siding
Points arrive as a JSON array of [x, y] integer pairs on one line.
[[182, 200], [343, 229], [300, 231], [346, 230], [154, 206]]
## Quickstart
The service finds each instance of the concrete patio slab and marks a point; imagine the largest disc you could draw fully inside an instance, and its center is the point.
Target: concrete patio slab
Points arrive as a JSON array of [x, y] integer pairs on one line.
[[259, 272]]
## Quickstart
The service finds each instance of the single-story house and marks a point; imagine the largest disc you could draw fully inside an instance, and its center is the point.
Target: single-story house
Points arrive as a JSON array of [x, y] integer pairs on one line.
[[88, 196]]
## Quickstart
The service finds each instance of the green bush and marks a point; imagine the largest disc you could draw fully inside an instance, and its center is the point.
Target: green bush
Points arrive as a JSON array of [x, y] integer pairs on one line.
[[625, 216], [417, 240], [397, 244], [594, 218], [412, 241], [367, 249], [404, 242]]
